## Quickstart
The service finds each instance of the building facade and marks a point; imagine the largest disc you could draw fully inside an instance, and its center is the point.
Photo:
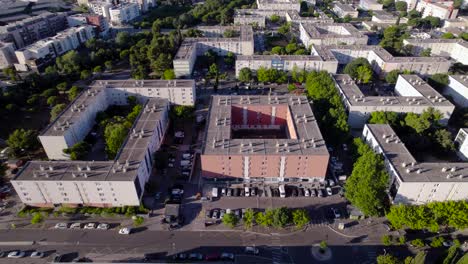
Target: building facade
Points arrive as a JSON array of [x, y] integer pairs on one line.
[[456, 49], [294, 5], [461, 143], [263, 139], [370, 5], [7, 55], [442, 10], [413, 182], [343, 10], [457, 89], [124, 13]]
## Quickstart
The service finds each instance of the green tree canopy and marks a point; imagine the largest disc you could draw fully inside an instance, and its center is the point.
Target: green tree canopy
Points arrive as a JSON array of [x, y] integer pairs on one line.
[[73, 92], [21, 139], [69, 63], [359, 69], [387, 259], [245, 75], [169, 74], [114, 135], [78, 151], [364, 74], [230, 220], [300, 217], [249, 218], [56, 110], [381, 117], [401, 6], [392, 76], [439, 81]]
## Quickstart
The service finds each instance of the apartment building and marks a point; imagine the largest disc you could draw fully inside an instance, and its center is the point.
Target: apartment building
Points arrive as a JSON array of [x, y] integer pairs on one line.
[[331, 34], [459, 22], [144, 5], [294, 17], [101, 24], [383, 17], [381, 60], [413, 182], [343, 10], [38, 55], [241, 44], [30, 30], [270, 139], [443, 9], [456, 49], [370, 5], [100, 8], [413, 95], [457, 89], [283, 5], [7, 55], [286, 63], [245, 18], [119, 182], [123, 13], [461, 143]]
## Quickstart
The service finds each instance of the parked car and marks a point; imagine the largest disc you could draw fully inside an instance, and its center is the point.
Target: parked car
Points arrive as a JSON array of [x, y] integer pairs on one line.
[[251, 250], [180, 256], [3, 254], [75, 226], [195, 256], [212, 256], [253, 191], [37, 254], [61, 226], [215, 214], [306, 192], [170, 165], [229, 192], [237, 192], [282, 191], [125, 231], [336, 213], [186, 173], [329, 191], [320, 193], [345, 147], [103, 226], [247, 191], [294, 192], [16, 254], [227, 256], [222, 212], [207, 213], [331, 182], [223, 191], [313, 193], [90, 226]]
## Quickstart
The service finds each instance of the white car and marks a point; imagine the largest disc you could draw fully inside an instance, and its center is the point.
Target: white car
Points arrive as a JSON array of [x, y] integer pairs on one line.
[[170, 165], [306, 192], [247, 191], [251, 250], [329, 191], [125, 231], [90, 226], [103, 226], [37, 254], [75, 226], [16, 254], [61, 226]]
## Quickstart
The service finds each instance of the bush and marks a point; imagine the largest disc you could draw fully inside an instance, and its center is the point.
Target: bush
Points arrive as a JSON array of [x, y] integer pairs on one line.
[[300, 217], [417, 242], [230, 220], [387, 240], [291, 87], [37, 218], [138, 220], [437, 242], [249, 218], [402, 239]]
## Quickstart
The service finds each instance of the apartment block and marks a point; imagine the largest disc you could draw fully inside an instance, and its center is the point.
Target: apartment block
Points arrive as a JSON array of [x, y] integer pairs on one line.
[[457, 89], [101, 24], [245, 18], [100, 8], [7, 55], [443, 9], [459, 22], [123, 13], [413, 182], [30, 30], [119, 182], [213, 39], [370, 5], [331, 34], [343, 10], [383, 17], [286, 63], [456, 49], [294, 17], [413, 95], [381, 60], [270, 139], [284, 5], [143, 5], [461, 143], [38, 55]]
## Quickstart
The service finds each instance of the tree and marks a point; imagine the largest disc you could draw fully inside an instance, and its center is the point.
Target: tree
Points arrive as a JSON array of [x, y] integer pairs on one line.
[[49, 92], [366, 187], [62, 86], [11, 73], [73, 92], [323, 245], [464, 36], [37, 218], [291, 87], [183, 111], [417, 242], [21, 140], [285, 28], [448, 35], [437, 242], [169, 74], [230, 59], [56, 110], [161, 63], [444, 139], [392, 76], [85, 74], [439, 81], [123, 39], [401, 6], [114, 135], [426, 52], [97, 69], [393, 39], [274, 18], [69, 63], [245, 75], [420, 123], [300, 217], [291, 48], [387, 240], [364, 74], [249, 218], [230, 220], [433, 22], [215, 74], [381, 117], [387, 259], [281, 217], [298, 75], [109, 65], [78, 151], [51, 101], [264, 219], [138, 220], [277, 50]]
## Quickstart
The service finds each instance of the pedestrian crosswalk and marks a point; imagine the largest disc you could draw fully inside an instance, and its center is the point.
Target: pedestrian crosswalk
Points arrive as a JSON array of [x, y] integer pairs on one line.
[[276, 252]]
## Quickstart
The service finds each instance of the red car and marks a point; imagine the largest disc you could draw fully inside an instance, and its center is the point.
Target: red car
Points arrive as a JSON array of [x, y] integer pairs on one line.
[[212, 256]]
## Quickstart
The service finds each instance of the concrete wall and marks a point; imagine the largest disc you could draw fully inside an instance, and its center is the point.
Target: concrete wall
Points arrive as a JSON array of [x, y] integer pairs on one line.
[[458, 92]]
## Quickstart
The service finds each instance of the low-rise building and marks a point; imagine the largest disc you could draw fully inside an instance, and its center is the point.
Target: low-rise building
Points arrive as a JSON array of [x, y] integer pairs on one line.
[[331, 34], [383, 17], [294, 17], [242, 43], [269, 139], [456, 49], [461, 143], [370, 5], [381, 60], [413, 182], [124, 13], [38, 55], [457, 89], [279, 5], [245, 18], [286, 63], [7, 55], [442, 10], [413, 95], [343, 10]]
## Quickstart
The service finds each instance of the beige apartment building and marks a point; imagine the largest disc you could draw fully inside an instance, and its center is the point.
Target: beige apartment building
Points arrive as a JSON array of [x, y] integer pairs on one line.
[[343, 10], [456, 49], [331, 34], [269, 139]]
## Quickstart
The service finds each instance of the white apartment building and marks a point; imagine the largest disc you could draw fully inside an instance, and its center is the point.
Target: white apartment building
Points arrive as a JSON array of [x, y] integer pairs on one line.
[[461, 143], [241, 44], [381, 60], [331, 34], [457, 89], [119, 182], [413, 182], [286, 63], [413, 95], [7, 55], [370, 5], [459, 22], [442, 10], [39, 54], [245, 18], [383, 17], [343, 10], [143, 5], [100, 8], [124, 13], [294, 17], [456, 49], [283, 5]]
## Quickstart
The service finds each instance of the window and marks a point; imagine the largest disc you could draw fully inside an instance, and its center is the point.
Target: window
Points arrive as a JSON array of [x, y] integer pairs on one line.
[[66, 199]]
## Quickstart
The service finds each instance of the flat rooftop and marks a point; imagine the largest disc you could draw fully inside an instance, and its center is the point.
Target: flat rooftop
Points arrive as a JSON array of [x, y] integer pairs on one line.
[[332, 30], [428, 95], [280, 57], [308, 139], [463, 79], [344, 7], [435, 41], [409, 169], [123, 168]]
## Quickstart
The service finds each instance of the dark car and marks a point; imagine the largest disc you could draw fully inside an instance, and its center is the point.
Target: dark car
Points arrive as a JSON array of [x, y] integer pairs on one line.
[[301, 191], [313, 193], [208, 213], [242, 193], [237, 192], [275, 192], [180, 256], [212, 256], [238, 213], [294, 192], [253, 191]]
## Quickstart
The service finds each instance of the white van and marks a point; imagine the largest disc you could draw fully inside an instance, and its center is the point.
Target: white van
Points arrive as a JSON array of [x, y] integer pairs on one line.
[[247, 191], [214, 192], [282, 191]]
